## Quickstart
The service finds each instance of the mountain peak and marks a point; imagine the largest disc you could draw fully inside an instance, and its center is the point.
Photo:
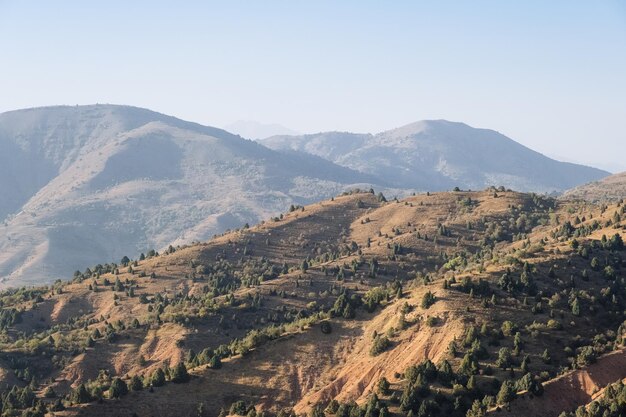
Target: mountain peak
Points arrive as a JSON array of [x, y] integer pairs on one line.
[[425, 125]]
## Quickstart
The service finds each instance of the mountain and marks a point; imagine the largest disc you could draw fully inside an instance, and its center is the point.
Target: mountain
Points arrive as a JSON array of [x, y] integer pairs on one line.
[[351, 306], [439, 155], [87, 184], [612, 188], [255, 130]]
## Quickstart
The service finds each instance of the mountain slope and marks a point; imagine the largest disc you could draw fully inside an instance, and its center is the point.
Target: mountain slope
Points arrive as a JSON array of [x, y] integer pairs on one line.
[[611, 188], [506, 289], [439, 155], [93, 183]]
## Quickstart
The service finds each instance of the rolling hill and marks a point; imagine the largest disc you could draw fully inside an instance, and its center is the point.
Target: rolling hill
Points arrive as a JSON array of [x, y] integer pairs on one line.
[[88, 184], [612, 188], [91, 183], [438, 304], [438, 155]]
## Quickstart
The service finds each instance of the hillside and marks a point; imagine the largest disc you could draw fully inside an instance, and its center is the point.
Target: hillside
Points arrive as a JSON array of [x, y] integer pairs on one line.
[[612, 188], [87, 184], [438, 155], [431, 303]]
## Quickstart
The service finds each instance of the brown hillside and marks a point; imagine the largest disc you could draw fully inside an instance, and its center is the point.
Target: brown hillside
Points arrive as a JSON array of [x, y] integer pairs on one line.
[[256, 297], [609, 189]]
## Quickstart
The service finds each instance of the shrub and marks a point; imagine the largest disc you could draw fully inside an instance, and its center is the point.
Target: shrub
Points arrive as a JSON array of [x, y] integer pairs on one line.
[[428, 300], [326, 327], [380, 345]]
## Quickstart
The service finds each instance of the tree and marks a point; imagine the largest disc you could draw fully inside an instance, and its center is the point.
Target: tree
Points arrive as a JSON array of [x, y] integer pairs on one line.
[[428, 300], [471, 383], [469, 365], [383, 386], [215, 362], [528, 383], [158, 378], [135, 383], [80, 395], [576, 307], [348, 312], [316, 412], [506, 393], [477, 410], [179, 373], [586, 356], [595, 263], [504, 358], [380, 345], [508, 327], [616, 242], [238, 408], [445, 374], [118, 388]]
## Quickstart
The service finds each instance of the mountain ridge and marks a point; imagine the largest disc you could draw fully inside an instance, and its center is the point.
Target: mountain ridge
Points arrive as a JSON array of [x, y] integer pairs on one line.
[[125, 180], [86, 183], [446, 146]]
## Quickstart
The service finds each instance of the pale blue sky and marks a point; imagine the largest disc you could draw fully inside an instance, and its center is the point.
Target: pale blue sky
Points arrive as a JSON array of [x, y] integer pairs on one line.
[[549, 74]]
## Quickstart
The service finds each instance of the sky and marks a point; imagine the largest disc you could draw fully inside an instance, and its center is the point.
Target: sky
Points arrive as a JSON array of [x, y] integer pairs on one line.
[[549, 74]]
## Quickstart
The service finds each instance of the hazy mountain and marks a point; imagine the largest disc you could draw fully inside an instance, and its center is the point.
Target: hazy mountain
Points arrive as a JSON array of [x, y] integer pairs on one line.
[[438, 155], [611, 188], [89, 184], [250, 129]]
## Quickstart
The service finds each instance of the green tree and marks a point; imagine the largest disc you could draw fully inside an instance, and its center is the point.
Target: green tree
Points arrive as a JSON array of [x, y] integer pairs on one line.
[[383, 386], [158, 378], [576, 307], [118, 388], [80, 395], [477, 410], [428, 300], [506, 393], [215, 362], [504, 358], [179, 373], [135, 383]]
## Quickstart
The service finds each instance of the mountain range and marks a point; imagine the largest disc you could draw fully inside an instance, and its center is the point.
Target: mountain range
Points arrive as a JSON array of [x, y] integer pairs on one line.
[[439, 155], [87, 184]]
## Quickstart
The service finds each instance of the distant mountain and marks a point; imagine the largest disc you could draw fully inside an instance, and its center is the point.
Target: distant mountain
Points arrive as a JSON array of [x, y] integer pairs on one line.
[[89, 184], [250, 129], [611, 188], [438, 155], [83, 185]]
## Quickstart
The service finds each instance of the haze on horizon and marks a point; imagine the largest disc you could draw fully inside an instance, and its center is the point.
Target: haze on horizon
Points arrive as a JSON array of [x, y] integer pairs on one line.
[[548, 75]]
